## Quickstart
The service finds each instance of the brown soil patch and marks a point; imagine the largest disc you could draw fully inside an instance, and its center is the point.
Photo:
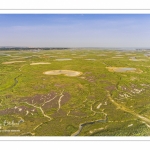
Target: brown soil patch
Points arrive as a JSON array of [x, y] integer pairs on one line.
[[60, 85], [110, 88], [51, 104], [51, 100], [91, 79], [65, 98], [38, 99], [21, 110], [60, 113], [45, 101], [54, 102]]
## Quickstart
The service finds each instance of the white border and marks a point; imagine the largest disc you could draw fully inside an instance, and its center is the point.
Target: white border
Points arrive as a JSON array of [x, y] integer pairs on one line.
[[74, 7], [74, 4], [74, 11], [77, 138]]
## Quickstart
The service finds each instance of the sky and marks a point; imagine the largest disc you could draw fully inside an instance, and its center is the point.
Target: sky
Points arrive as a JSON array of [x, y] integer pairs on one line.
[[75, 30]]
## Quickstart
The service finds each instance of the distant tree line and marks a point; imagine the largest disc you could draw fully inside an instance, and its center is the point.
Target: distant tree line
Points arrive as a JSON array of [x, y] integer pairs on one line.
[[36, 49]]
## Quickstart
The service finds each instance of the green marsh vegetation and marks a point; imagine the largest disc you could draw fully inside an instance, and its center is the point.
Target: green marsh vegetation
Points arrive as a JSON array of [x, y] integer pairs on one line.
[[98, 102]]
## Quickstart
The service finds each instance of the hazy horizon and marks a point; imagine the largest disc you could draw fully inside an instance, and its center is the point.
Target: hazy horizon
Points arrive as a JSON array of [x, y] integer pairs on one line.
[[75, 30]]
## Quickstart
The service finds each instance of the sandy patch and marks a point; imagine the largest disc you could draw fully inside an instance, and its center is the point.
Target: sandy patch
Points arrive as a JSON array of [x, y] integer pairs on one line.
[[123, 69], [117, 57], [12, 62], [64, 72], [99, 106], [130, 125], [134, 59], [63, 59], [40, 63], [96, 130], [20, 109], [90, 59]]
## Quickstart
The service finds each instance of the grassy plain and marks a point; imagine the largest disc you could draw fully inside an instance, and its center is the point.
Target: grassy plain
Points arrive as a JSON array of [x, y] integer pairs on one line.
[[99, 102]]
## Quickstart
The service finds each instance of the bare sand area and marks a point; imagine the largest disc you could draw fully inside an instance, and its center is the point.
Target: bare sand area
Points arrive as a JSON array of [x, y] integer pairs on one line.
[[134, 59], [63, 59], [117, 57], [40, 63], [12, 62], [123, 69], [70, 73], [90, 59]]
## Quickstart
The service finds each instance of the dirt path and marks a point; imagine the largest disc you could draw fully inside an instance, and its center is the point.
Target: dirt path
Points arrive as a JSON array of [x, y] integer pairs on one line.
[[37, 126], [40, 110], [144, 119], [59, 101], [49, 100]]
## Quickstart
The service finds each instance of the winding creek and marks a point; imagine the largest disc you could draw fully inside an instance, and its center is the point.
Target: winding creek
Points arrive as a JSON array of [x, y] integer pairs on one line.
[[15, 83], [123, 108], [88, 123]]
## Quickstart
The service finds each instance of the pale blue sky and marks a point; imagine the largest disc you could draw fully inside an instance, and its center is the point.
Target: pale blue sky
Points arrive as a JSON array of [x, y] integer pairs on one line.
[[75, 30]]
